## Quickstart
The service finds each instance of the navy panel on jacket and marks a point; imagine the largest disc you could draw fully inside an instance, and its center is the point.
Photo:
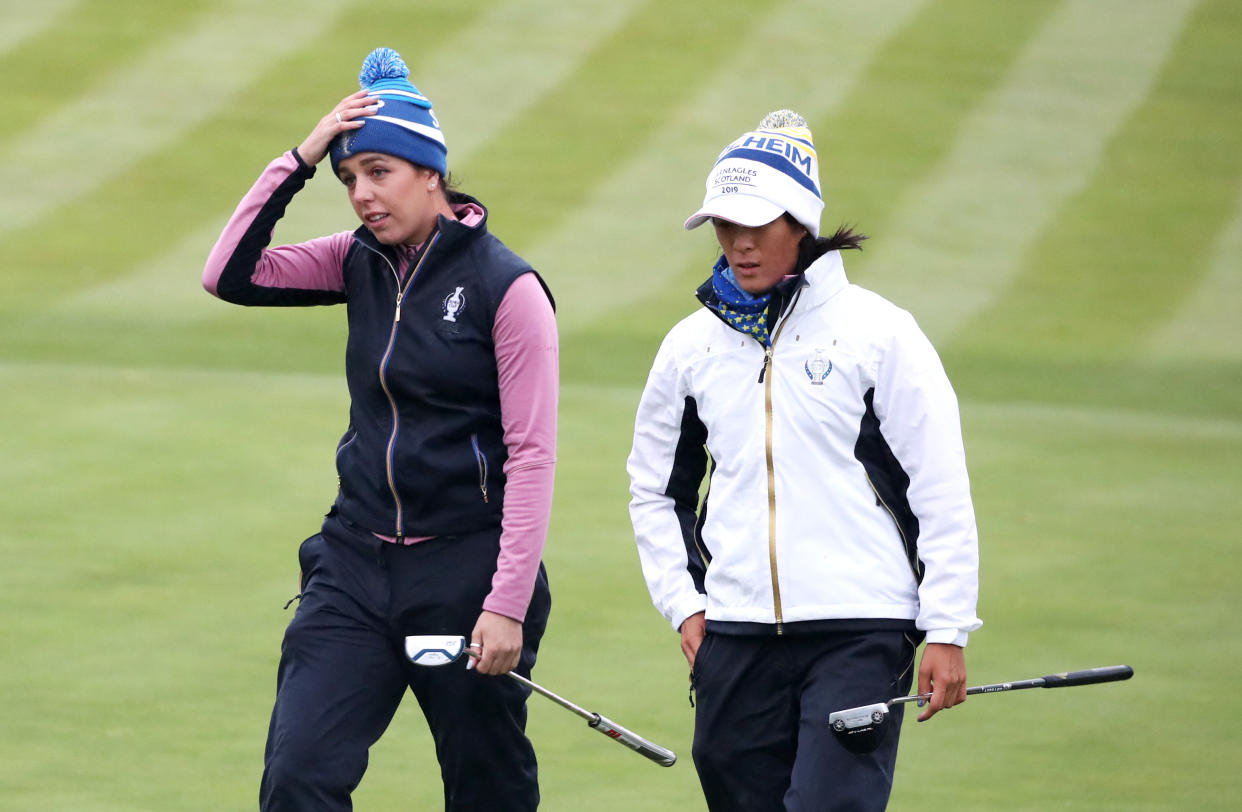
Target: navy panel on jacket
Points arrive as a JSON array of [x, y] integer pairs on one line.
[[889, 480]]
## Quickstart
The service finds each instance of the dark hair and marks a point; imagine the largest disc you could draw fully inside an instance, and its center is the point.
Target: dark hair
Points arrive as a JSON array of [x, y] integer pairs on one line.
[[448, 181], [812, 248], [452, 190]]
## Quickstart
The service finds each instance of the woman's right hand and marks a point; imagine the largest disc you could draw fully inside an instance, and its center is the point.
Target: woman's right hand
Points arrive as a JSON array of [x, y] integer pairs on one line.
[[345, 116], [693, 630]]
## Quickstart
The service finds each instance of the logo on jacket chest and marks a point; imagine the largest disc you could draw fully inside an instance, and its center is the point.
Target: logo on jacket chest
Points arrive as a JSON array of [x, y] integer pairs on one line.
[[454, 304], [818, 367]]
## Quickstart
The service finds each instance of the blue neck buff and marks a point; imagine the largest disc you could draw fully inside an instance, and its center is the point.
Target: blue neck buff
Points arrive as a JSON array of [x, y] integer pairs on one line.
[[743, 312]]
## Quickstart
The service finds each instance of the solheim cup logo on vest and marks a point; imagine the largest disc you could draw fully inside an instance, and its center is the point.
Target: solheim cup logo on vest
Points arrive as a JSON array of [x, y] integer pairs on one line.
[[454, 303], [818, 368]]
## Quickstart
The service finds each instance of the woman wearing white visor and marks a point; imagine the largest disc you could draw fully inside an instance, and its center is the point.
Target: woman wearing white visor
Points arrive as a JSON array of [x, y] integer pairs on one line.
[[838, 533]]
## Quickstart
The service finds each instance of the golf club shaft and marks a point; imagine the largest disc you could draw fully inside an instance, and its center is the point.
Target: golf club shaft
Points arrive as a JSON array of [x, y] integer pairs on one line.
[[1089, 676], [660, 755], [564, 703]]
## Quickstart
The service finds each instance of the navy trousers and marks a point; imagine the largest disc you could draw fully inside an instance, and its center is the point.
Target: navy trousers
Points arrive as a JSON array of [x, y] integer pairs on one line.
[[343, 672], [761, 736]]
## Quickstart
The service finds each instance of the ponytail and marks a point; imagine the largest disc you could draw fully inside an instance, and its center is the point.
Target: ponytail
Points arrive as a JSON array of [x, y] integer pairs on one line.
[[812, 248]]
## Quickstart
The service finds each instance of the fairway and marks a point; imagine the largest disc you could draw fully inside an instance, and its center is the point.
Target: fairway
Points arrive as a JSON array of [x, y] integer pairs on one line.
[[1052, 187]]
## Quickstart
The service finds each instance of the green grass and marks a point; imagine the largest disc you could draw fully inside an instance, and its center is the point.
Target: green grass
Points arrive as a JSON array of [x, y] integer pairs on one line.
[[164, 454]]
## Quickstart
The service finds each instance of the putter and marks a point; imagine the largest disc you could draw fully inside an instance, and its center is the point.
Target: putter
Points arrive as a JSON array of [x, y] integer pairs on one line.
[[863, 729], [442, 649]]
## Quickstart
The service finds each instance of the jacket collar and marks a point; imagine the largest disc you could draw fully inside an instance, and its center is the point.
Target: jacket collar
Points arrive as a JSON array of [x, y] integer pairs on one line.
[[823, 279]]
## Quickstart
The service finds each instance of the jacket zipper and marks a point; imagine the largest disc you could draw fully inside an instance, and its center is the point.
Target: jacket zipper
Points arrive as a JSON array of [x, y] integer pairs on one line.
[[766, 379], [383, 369], [765, 375], [481, 459]]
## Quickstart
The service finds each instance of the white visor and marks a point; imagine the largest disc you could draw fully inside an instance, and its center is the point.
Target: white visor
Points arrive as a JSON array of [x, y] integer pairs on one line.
[[743, 209]]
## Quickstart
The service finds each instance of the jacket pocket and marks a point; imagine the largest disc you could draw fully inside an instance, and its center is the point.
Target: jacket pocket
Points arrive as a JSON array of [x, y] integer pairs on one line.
[[481, 460], [346, 440], [308, 556], [697, 669]]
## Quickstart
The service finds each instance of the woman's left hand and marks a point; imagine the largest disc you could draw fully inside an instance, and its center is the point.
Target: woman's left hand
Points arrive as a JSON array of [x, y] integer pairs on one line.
[[499, 640], [942, 673]]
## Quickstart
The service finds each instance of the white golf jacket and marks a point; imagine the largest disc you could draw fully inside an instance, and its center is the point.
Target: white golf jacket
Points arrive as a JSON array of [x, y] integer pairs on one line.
[[838, 486]]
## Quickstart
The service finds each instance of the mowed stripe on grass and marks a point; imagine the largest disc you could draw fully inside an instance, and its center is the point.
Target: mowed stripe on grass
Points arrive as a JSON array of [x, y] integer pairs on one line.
[[143, 105], [544, 168], [20, 21], [626, 236], [957, 236], [900, 122], [1207, 324], [1134, 243], [473, 106], [62, 60], [151, 520]]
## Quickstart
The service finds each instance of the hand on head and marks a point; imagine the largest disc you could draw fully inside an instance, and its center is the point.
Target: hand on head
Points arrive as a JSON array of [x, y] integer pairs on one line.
[[345, 116]]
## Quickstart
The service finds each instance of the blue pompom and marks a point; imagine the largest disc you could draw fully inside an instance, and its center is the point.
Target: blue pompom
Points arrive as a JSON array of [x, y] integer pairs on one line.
[[382, 63]]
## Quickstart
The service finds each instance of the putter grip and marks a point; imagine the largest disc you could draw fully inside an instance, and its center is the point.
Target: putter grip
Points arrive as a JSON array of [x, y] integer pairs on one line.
[[1090, 676], [614, 731]]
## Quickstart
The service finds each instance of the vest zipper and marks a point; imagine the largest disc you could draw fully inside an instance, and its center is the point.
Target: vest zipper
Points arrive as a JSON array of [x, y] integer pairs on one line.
[[390, 452]]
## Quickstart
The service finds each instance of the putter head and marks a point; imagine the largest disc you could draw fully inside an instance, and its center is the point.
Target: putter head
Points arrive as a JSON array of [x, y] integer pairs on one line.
[[862, 729], [434, 649]]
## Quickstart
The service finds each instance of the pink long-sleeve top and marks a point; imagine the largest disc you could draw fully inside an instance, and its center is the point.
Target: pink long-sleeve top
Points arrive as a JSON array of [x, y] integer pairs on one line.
[[527, 363]]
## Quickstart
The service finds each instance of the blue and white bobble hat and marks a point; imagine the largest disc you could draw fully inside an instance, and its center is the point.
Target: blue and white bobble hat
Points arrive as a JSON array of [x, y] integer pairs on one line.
[[404, 125], [765, 173]]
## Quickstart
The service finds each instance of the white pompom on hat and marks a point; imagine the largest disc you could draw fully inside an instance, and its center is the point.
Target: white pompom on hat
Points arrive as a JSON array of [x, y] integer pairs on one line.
[[764, 174]]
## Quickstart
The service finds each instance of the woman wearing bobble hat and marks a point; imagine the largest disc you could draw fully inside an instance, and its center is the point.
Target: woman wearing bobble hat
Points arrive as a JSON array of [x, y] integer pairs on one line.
[[446, 467], [838, 531]]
